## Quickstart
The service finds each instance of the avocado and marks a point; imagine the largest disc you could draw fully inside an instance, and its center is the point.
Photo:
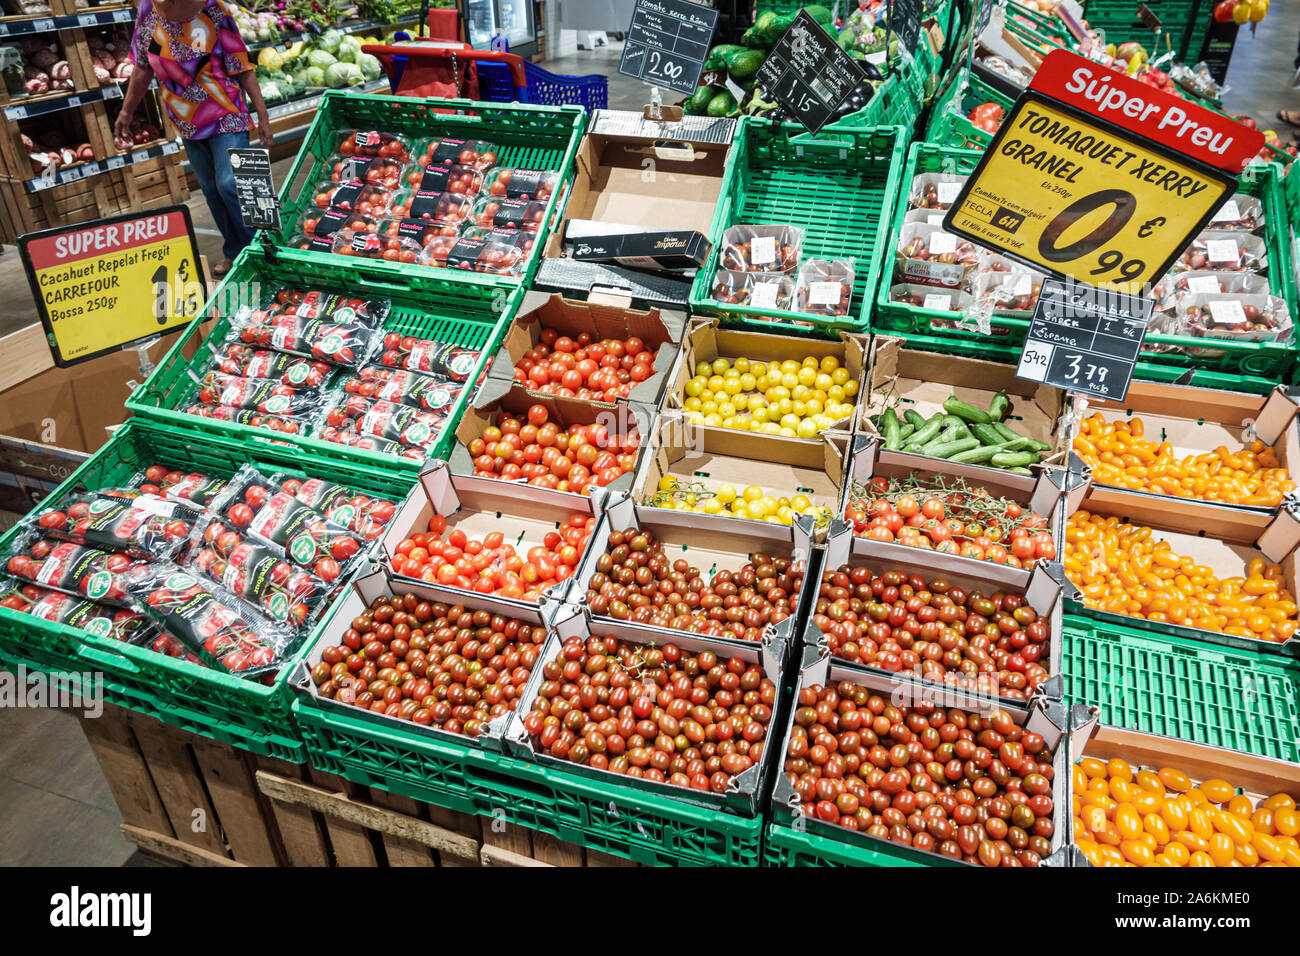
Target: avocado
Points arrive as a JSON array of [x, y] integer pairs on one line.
[[717, 57], [772, 31], [698, 101], [744, 65], [721, 104]]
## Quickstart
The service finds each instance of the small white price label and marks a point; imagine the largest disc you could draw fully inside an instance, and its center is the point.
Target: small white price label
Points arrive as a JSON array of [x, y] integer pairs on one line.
[[1018, 283], [935, 219], [763, 295], [1227, 312], [942, 243], [116, 162], [949, 191], [1227, 212], [16, 112], [1034, 361], [762, 250], [937, 300], [87, 20], [877, 58], [1210, 284], [1221, 250], [824, 293]]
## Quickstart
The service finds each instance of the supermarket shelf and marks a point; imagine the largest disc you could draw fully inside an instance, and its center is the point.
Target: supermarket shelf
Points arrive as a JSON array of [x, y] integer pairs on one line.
[[96, 18], [352, 26], [85, 170], [306, 103], [53, 104]]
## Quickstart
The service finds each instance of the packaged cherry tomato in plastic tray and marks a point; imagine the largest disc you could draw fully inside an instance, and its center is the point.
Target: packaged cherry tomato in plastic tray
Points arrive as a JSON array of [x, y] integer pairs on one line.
[[444, 359], [521, 240], [511, 182], [360, 198], [70, 567], [825, 287], [935, 190], [255, 505], [338, 343], [284, 424], [256, 572], [372, 246], [496, 212], [464, 181], [316, 304], [1241, 213], [234, 358], [416, 233], [449, 210], [381, 446], [450, 151], [1241, 318], [751, 289], [327, 223], [428, 393], [1170, 291], [382, 171], [363, 514], [473, 255], [1223, 251], [768, 249], [145, 526], [271, 398], [118, 624], [311, 244], [1008, 291], [956, 301], [927, 255], [221, 629], [193, 487], [380, 419], [355, 142]]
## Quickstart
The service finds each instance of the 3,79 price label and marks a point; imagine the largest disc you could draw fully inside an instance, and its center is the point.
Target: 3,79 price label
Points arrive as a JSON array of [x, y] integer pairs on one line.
[[1079, 197]]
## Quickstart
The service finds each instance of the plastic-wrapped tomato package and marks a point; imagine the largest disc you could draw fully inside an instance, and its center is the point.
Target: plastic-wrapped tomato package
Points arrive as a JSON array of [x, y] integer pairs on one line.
[[930, 297], [927, 255], [315, 304], [372, 246], [222, 629], [56, 607], [1172, 290], [435, 178], [381, 171], [1008, 291], [355, 142], [257, 506], [271, 421], [449, 151], [1241, 213], [496, 212], [473, 255], [311, 243], [1242, 318], [769, 248], [444, 359], [265, 396], [935, 190], [511, 182], [69, 567], [415, 232], [1223, 251], [373, 202], [521, 240], [440, 208], [360, 513], [347, 344], [258, 573], [192, 487], [327, 223], [381, 446], [249, 362], [428, 393], [752, 289], [146, 526], [825, 287], [389, 420]]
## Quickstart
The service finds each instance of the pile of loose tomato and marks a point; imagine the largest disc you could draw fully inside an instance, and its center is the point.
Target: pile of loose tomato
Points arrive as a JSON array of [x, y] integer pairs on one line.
[[986, 117], [971, 523], [1122, 568], [692, 720], [1120, 454], [970, 786], [900, 622], [603, 371], [450, 667], [537, 450], [491, 565], [1143, 817]]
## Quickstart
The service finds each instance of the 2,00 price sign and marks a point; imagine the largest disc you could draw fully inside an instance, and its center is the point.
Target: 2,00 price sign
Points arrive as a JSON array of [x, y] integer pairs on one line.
[[667, 43]]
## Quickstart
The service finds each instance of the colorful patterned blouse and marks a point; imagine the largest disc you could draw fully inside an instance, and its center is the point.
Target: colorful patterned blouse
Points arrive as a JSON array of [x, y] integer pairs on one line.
[[196, 64]]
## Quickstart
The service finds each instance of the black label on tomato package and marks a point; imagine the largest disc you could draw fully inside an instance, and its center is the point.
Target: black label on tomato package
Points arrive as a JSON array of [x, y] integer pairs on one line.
[[465, 253], [81, 570], [366, 243], [440, 358], [90, 617], [523, 183], [446, 152], [413, 231], [368, 138], [510, 212], [197, 488], [345, 196], [317, 244], [304, 533], [400, 423], [435, 179], [425, 204], [330, 222]]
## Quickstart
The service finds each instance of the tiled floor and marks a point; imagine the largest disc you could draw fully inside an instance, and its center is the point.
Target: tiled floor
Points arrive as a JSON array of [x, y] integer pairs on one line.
[[57, 808]]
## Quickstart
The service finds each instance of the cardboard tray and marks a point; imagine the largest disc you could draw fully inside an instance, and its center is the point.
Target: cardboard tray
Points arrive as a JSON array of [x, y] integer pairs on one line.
[[1043, 717], [708, 457], [1044, 589], [661, 330], [1198, 420], [745, 792], [1225, 546], [478, 506], [376, 584], [923, 380]]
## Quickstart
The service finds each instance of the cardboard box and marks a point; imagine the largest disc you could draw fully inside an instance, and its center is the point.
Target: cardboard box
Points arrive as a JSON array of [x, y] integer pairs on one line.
[[704, 458], [660, 329], [909, 379], [1196, 421], [524, 514], [705, 341]]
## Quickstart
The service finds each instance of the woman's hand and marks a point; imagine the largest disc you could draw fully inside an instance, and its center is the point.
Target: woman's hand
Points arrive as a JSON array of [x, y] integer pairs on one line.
[[264, 129], [122, 129]]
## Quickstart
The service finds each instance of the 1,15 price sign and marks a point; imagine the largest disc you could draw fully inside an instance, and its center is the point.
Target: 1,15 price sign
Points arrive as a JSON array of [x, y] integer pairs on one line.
[[667, 43], [808, 73], [1085, 339]]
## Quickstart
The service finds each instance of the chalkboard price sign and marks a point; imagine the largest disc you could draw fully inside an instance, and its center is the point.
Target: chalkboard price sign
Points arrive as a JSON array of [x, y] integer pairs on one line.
[[905, 19], [667, 43], [254, 189], [809, 74]]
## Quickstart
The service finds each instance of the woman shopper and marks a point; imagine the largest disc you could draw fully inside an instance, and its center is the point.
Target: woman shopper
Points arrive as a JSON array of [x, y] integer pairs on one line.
[[194, 49]]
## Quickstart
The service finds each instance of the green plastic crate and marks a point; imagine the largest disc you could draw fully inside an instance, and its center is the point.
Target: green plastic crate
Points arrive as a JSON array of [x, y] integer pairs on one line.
[[535, 137], [1274, 361], [949, 125], [785, 846], [1184, 689], [242, 712], [443, 310], [891, 105], [608, 817], [1183, 24], [838, 186]]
